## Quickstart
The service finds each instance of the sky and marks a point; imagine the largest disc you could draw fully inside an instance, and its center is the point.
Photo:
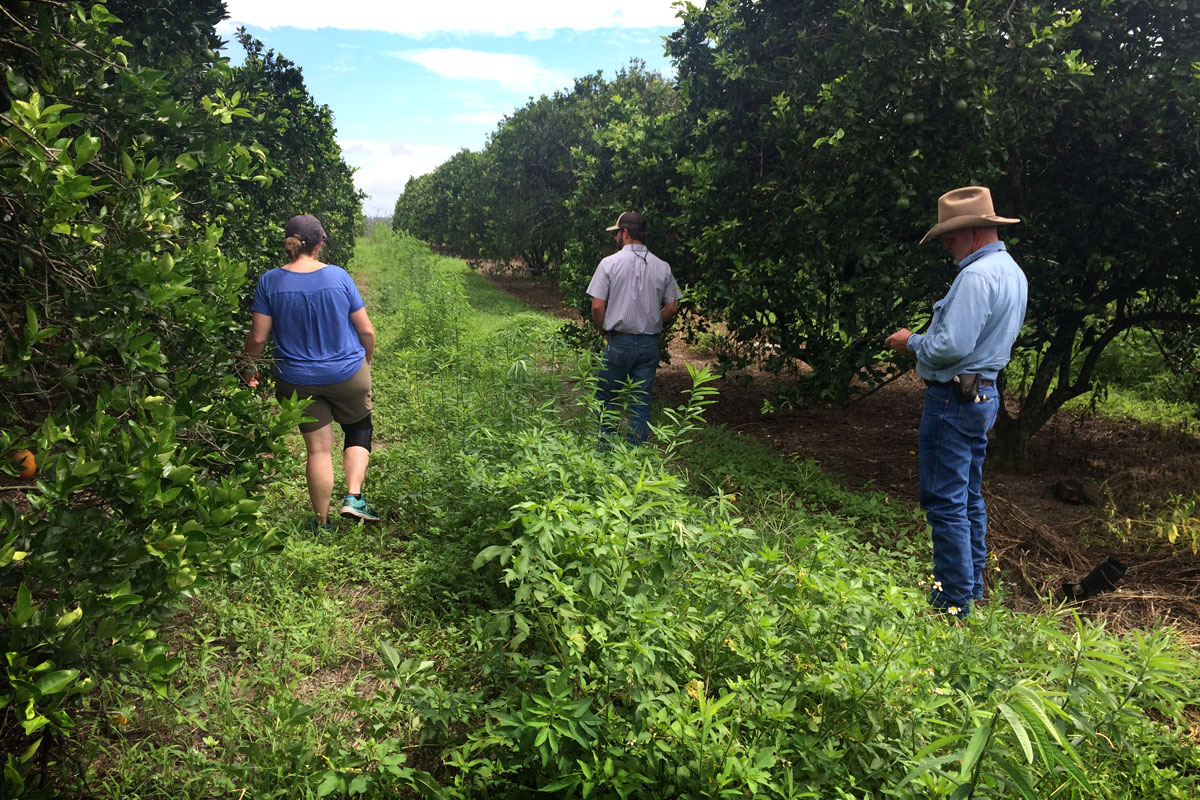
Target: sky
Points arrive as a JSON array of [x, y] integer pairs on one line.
[[410, 84]]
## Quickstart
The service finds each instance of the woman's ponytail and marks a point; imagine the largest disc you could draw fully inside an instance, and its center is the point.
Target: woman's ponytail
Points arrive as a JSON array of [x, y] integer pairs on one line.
[[295, 248]]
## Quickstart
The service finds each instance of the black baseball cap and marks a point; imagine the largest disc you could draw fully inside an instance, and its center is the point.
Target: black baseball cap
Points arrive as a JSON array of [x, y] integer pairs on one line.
[[630, 221], [307, 228]]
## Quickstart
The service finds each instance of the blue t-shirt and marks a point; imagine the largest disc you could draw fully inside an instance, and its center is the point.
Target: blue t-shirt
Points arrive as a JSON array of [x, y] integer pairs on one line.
[[315, 342]]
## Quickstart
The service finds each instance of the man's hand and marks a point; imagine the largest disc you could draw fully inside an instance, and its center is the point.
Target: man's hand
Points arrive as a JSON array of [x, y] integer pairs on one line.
[[898, 341]]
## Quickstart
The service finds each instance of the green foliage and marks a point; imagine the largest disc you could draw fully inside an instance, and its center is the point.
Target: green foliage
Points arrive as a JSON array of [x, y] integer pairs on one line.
[[821, 133], [128, 181], [509, 203], [652, 643], [684, 620], [449, 206], [705, 619], [795, 160], [628, 164], [308, 174]]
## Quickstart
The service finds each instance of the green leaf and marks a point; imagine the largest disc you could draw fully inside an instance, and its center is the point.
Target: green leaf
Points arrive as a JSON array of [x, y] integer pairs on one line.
[[390, 655], [331, 783], [487, 554], [569, 782], [34, 724], [55, 682], [1066, 758], [975, 749], [86, 147], [69, 618], [12, 776], [31, 750], [124, 601], [927, 765], [16, 84], [1020, 776], [1018, 727], [23, 609]]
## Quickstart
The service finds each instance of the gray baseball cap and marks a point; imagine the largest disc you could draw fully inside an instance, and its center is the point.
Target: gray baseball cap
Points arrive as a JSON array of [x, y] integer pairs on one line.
[[629, 220], [307, 228]]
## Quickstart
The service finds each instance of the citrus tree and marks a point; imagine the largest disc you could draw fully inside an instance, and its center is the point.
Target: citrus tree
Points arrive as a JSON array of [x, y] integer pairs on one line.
[[309, 175], [516, 201], [821, 134], [128, 161], [449, 206], [629, 163], [534, 156]]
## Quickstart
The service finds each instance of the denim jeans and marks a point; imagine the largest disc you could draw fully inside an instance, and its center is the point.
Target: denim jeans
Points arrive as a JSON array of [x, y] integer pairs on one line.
[[632, 358], [953, 442]]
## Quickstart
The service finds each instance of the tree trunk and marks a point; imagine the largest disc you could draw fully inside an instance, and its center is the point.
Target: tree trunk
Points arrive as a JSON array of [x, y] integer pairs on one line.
[[1039, 404]]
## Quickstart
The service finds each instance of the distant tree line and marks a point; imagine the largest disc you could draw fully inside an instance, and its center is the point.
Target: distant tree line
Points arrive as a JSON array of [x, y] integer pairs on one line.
[[794, 161]]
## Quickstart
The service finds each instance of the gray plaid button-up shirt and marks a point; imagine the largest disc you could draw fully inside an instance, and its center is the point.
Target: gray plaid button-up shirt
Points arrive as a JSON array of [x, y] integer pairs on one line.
[[634, 284]]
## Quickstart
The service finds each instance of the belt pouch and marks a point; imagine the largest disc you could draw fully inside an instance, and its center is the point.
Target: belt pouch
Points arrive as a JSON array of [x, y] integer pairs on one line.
[[968, 387]]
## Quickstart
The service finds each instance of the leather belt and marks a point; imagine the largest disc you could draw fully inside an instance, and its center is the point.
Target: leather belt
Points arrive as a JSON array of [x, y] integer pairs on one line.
[[984, 383]]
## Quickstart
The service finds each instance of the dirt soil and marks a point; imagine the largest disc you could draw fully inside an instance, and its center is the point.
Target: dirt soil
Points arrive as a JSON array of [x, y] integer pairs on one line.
[[1038, 527]]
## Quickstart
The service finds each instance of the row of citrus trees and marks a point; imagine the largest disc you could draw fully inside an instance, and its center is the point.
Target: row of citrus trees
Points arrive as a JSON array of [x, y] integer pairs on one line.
[[795, 158], [145, 182]]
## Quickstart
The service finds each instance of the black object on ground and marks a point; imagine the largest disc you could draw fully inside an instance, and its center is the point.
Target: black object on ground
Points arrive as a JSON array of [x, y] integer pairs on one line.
[[1103, 578]]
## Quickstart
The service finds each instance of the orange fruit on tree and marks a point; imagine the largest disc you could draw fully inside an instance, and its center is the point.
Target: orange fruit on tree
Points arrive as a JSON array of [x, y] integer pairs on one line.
[[23, 461]]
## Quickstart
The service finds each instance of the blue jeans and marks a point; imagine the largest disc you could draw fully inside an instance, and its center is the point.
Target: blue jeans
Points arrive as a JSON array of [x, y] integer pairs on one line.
[[632, 358], [953, 442]]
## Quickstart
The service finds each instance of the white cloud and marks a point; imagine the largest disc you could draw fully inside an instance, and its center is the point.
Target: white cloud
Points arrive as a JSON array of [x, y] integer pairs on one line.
[[455, 16], [516, 72], [227, 29], [384, 168]]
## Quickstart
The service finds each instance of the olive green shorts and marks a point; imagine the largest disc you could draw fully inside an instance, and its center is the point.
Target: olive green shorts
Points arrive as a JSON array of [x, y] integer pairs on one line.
[[347, 401]]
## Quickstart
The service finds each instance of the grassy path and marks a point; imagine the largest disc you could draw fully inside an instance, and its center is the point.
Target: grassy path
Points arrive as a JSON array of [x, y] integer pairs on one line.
[[536, 613]]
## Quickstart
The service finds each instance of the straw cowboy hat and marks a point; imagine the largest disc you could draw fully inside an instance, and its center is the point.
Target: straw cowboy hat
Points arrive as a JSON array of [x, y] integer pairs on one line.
[[968, 207]]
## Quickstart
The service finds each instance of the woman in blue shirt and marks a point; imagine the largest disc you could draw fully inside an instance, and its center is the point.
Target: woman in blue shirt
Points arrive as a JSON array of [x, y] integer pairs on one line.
[[323, 345]]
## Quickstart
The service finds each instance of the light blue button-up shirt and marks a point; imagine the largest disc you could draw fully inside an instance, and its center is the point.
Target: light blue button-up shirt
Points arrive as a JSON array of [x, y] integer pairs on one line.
[[975, 324]]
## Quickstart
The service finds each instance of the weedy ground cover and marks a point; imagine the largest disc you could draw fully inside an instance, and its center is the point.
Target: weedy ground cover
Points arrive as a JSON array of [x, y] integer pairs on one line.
[[541, 612]]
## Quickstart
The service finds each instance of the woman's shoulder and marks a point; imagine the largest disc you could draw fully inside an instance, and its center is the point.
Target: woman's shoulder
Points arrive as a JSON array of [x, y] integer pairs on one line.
[[341, 273], [270, 276]]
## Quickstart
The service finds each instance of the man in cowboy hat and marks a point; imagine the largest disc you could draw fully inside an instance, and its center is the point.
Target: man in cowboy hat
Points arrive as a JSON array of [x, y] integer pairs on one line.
[[969, 341], [633, 295]]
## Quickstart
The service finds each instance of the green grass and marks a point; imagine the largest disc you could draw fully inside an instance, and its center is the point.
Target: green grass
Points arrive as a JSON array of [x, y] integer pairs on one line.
[[1118, 402], [698, 619]]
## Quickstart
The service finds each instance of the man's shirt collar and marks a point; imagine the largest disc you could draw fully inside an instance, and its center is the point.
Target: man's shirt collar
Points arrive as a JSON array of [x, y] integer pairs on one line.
[[987, 249]]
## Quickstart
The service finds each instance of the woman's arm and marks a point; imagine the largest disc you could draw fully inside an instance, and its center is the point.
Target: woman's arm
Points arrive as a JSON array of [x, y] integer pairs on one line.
[[256, 342], [366, 332]]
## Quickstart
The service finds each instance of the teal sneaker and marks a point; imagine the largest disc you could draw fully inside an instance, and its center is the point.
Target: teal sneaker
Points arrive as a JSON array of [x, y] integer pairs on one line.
[[316, 526], [357, 508]]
